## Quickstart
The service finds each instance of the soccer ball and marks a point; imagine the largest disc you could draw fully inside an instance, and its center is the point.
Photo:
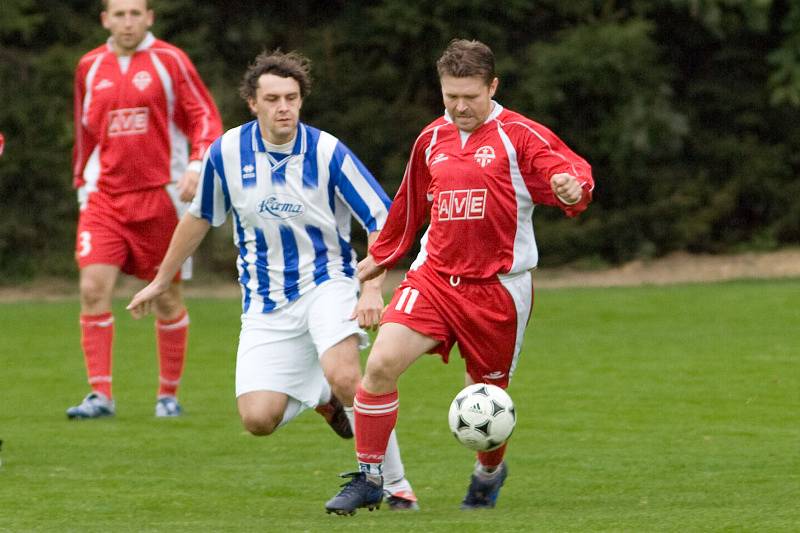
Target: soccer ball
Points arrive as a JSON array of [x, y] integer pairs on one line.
[[482, 417]]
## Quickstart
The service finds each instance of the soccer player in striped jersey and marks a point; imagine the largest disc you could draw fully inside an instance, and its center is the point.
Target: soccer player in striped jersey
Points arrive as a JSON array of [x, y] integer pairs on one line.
[[138, 100], [292, 191], [477, 172]]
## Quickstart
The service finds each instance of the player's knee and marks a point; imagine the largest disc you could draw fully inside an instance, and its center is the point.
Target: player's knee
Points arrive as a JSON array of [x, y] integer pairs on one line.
[[93, 291], [260, 425], [381, 369], [344, 385], [169, 305]]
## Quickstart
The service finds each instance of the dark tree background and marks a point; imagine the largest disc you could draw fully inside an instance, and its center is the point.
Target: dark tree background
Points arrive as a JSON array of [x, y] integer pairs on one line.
[[686, 109]]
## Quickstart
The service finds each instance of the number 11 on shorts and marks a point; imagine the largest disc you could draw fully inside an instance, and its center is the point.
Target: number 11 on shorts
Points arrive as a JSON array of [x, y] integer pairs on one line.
[[407, 297]]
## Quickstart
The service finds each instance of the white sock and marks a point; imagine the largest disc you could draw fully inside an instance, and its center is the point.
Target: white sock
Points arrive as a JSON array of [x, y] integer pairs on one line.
[[293, 408], [393, 470], [351, 417], [486, 473], [325, 393]]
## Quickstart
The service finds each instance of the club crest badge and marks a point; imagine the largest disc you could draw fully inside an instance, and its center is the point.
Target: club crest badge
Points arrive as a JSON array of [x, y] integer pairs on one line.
[[142, 80], [484, 156]]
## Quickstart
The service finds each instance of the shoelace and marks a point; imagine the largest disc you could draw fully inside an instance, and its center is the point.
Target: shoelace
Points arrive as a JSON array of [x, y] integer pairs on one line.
[[352, 485]]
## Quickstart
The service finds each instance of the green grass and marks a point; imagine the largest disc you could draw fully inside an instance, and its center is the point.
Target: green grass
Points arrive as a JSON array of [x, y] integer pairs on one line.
[[639, 409]]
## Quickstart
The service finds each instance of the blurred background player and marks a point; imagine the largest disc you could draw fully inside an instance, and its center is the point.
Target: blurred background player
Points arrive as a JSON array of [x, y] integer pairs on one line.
[[292, 190], [477, 173], [137, 100]]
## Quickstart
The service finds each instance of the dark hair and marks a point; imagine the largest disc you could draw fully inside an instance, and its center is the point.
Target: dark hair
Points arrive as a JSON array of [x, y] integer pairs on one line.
[[463, 58], [147, 5], [286, 65]]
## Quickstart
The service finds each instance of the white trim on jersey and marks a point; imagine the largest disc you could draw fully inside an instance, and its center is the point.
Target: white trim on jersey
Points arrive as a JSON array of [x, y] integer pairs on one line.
[[422, 256], [179, 144], [430, 146], [192, 87], [546, 143], [525, 250], [179, 153], [87, 97], [91, 175], [166, 83]]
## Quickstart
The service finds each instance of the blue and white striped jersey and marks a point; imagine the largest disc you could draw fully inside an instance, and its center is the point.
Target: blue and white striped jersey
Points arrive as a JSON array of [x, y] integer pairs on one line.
[[291, 213]]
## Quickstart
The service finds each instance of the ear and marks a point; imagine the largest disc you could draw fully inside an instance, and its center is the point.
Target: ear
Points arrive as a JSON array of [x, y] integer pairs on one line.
[[493, 87], [151, 17], [251, 103], [104, 19]]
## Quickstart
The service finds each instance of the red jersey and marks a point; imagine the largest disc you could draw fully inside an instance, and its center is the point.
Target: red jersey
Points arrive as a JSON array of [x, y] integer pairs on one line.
[[134, 114], [479, 195]]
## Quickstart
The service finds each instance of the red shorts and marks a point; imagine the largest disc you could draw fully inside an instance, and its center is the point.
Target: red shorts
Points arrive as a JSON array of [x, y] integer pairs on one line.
[[131, 231], [487, 318]]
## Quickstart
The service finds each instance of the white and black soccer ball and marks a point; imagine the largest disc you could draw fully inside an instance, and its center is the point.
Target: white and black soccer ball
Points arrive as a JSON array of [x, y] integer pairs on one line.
[[482, 417]]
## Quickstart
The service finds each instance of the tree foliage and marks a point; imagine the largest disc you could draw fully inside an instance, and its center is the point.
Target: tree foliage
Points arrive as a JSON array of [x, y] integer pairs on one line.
[[686, 109]]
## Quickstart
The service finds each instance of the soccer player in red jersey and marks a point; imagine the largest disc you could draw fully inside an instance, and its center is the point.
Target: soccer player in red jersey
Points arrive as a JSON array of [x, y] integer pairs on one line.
[[477, 173], [137, 101]]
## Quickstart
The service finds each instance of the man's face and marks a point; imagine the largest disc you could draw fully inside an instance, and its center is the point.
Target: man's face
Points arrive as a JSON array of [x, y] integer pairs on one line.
[[128, 22], [468, 100], [277, 106]]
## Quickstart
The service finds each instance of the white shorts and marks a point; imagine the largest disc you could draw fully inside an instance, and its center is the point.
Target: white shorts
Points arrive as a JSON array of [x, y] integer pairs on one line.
[[279, 351]]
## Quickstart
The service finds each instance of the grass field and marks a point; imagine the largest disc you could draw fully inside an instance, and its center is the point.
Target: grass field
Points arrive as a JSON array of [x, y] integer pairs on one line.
[[639, 409]]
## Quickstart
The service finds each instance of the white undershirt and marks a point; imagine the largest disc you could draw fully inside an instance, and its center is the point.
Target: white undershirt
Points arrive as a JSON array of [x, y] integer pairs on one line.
[[285, 148], [124, 63], [465, 134], [464, 137]]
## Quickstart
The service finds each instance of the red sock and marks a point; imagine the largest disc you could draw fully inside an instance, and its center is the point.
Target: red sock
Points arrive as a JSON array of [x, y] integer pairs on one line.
[[97, 335], [171, 337], [493, 458], [376, 416]]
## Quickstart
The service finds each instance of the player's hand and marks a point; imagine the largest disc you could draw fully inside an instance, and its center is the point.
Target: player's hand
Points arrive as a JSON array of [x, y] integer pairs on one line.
[[369, 269], [187, 185], [567, 188], [369, 308], [142, 302]]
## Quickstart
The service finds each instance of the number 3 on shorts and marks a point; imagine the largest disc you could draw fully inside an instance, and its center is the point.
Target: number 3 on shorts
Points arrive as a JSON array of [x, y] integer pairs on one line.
[[84, 243], [407, 298]]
